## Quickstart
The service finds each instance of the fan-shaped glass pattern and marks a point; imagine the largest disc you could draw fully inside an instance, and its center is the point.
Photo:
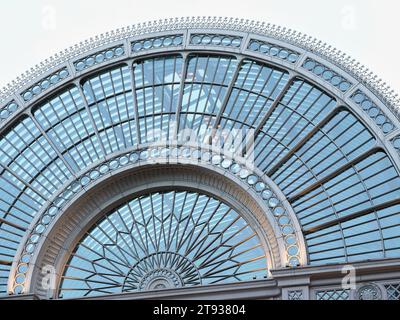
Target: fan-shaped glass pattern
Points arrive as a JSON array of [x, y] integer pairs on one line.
[[329, 163], [163, 241]]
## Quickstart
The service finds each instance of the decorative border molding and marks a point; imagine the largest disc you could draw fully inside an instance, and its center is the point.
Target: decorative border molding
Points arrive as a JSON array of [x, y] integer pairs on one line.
[[327, 74], [213, 39], [273, 50], [99, 57], [157, 43], [45, 84], [293, 242], [8, 110], [373, 111], [396, 143], [338, 58]]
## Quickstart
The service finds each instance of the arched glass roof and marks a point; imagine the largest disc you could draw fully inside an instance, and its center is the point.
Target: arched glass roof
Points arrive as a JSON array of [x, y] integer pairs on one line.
[[321, 139]]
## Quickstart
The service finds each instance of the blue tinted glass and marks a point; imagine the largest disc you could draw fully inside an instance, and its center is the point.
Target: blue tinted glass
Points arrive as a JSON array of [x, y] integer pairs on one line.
[[206, 86], [301, 108], [157, 84], [111, 104]]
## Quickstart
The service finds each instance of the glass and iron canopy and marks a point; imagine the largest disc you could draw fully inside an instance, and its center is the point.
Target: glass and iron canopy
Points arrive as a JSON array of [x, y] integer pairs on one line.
[[325, 149]]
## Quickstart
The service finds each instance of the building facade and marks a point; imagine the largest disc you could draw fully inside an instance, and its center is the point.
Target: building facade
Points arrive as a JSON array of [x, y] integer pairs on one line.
[[200, 158]]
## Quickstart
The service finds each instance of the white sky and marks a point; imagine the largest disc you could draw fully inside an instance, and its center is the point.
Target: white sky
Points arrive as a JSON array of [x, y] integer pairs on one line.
[[33, 30]]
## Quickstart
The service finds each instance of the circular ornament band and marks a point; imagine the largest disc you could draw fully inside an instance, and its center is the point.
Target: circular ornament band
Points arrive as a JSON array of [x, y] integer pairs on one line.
[[173, 154]]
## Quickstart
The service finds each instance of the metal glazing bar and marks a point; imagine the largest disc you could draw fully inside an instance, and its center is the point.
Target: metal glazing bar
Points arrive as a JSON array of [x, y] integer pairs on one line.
[[303, 141], [185, 63], [227, 96], [335, 173], [11, 224], [92, 122], [351, 216]]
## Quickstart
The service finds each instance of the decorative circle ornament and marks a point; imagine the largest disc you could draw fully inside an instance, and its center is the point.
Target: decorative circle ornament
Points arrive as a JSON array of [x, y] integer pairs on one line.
[[369, 292], [164, 270], [144, 156]]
